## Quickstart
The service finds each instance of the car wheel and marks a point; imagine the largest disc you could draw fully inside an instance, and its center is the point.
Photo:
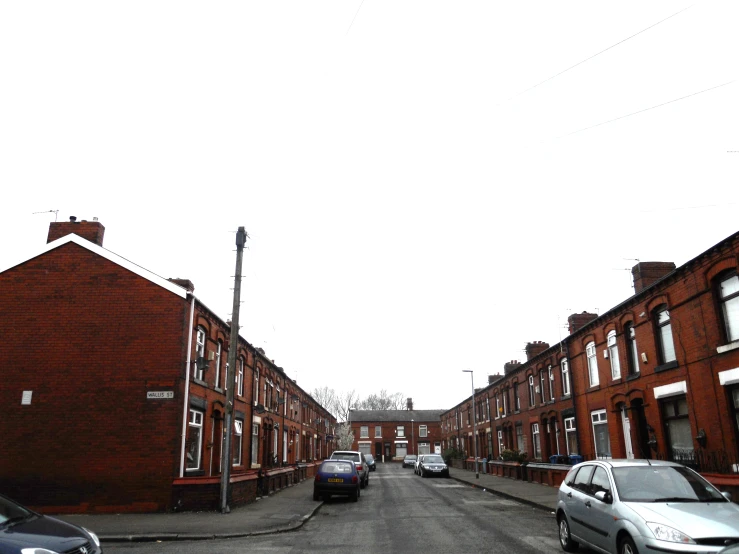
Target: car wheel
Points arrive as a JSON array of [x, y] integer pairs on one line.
[[627, 546], [565, 540]]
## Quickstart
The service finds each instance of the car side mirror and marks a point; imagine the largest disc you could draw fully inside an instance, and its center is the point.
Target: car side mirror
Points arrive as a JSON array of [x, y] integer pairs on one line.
[[604, 496]]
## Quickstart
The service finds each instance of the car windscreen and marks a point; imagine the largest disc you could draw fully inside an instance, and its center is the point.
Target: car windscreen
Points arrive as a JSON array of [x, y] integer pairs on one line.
[[352, 457], [337, 466], [663, 484], [10, 511], [433, 460]]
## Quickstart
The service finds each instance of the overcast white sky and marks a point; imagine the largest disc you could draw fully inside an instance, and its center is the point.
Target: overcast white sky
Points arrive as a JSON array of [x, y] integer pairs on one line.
[[427, 185]]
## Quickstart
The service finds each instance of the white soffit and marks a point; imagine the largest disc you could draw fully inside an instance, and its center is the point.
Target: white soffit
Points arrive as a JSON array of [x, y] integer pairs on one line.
[[110, 256], [681, 387], [729, 377]]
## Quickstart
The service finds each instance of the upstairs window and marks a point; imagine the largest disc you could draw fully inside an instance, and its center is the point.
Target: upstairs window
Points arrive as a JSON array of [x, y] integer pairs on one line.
[[255, 392], [632, 352], [592, 364], [219, 350], [364, 432], [565, 377], [729, 298], [423, 431], [240, 377], [532, 398], [199, 353], [613, 356], [542, 388], [401, 431], [551, 383], [664, 335], [516, 398], [378, 431], [497, 406]]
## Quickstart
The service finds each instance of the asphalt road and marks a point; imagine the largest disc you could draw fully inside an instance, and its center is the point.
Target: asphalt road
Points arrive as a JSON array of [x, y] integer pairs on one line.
[[398, 512]]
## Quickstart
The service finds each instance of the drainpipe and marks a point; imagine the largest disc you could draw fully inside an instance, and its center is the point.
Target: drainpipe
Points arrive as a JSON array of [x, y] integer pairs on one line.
[[187, 388]]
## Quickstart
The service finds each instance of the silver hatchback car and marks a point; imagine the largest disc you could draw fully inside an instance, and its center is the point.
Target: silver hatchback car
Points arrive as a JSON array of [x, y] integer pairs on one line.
[[633, 506]]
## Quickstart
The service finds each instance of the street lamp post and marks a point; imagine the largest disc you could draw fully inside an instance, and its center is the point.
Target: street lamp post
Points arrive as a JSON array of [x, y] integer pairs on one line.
[[474, 420], [413, 437]]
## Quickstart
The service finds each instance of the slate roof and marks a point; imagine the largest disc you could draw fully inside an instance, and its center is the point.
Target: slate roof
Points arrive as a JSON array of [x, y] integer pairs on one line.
[[395, 415]]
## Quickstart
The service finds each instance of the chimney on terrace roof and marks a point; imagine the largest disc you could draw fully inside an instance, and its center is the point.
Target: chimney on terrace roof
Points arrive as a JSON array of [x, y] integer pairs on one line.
[[90, 230]]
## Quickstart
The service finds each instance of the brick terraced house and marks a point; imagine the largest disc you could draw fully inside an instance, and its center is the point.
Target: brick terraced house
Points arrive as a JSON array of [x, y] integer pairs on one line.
[[115, 385], [657, 376]]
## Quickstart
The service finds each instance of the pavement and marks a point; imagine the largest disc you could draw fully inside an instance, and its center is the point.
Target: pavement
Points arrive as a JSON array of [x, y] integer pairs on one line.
[[282, 511]]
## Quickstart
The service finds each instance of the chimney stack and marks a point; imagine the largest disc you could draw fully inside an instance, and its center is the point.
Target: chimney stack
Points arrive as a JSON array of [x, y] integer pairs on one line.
[[533, 349], [409, 403], [647, 273], [511, 366], [577, 321], [90, 230]]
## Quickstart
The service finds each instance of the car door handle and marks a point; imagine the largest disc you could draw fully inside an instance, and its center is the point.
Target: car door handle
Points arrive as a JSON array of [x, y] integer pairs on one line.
[[587, 503]]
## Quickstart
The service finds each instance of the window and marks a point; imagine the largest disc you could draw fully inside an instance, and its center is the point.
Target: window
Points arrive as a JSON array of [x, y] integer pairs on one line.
[[532, 398], [592, 364], [505, 402], [256, 386], [364, 431], [497, 406], [240, 377], [520, 438], [565, 377], [664, 335], [217, 381], [378, 432], [542, 388], [571, 436], [194, 440], [551, 383], [632, 352], [582, 480], [401, 428], [199, 353], [600, 434], [613, 356], [600, 481], [254, 443], [487, 408], [238, 432], [729, 298], [423, 431], [501, 445], [516, 397], [535, 441], [680, 439]]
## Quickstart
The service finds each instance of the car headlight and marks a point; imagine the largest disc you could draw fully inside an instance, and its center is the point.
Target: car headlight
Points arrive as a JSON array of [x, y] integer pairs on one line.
[[664, 533], [93, 536]]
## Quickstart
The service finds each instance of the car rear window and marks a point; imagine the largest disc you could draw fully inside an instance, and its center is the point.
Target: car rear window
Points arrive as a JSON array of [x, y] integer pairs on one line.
[[345, 456], [337, 467]]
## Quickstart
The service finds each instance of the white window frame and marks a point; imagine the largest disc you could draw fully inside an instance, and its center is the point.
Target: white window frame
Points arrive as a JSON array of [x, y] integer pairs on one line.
[[565, 365], [238, 441], [665, 339], [401, 431], [612, 341], [378, 431], [592, 356], [364, 431], [730, 305], [532, 394], [551, 383], [219, 349], [200, 340], [423, 431], [570, 428], [505, 402], [497, 406], [196, 422], [542, 392], [632, 349], [240, 388], [536, 443], [600, 417], [501, 446], [255, 392], [517, 397], [254, 444]]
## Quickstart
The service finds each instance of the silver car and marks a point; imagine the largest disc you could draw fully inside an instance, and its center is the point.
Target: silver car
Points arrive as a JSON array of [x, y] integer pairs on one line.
[[632, 506]]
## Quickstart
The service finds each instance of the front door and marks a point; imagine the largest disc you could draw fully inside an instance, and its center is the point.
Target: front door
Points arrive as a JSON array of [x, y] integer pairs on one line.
[[627, 432]]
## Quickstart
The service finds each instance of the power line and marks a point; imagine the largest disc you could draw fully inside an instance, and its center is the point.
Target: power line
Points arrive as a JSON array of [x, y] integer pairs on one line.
[[642, 111], [594, 55]]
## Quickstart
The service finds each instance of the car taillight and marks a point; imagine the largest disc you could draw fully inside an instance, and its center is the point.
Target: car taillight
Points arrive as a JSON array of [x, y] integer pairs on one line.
[[359, 467], [355, 479], [318, 477]]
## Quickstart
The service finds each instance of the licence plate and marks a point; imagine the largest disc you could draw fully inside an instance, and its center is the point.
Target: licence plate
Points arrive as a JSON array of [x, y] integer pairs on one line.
[[332, 480]]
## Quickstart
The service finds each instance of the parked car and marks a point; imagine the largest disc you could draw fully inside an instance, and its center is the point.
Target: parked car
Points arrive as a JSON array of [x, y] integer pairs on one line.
[[337, 477], [410, 460], [24, 531], [359, 460], [432, 464], [632, 506], [371, 462]]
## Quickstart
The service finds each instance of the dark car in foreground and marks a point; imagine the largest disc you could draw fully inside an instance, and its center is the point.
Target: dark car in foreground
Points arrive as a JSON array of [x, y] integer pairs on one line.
[[640, 506], [371, 462], [336, 477], [410, 460], [23, 531], [432, 464]]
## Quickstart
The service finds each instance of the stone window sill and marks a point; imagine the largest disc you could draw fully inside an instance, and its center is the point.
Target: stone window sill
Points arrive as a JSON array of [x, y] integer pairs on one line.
[[728, 347]]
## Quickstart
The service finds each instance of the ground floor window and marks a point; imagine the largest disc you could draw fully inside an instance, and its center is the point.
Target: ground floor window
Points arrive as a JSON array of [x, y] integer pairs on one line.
[[535, 441], [520, 438], [254, 443], [194, 440], [401, 449], [365, 447], [571, 436], [680, 439], [238, 430], [501, 445], [424, 448], [600, 434]]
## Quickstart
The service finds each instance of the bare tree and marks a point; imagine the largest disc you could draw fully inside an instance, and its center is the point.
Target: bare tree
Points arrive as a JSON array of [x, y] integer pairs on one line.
[[382, 401], [327, 398], [345, 402]]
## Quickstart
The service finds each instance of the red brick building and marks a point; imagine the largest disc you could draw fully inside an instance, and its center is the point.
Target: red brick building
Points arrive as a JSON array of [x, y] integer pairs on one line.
[[391, 434], [655, 377], [115, 387]]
